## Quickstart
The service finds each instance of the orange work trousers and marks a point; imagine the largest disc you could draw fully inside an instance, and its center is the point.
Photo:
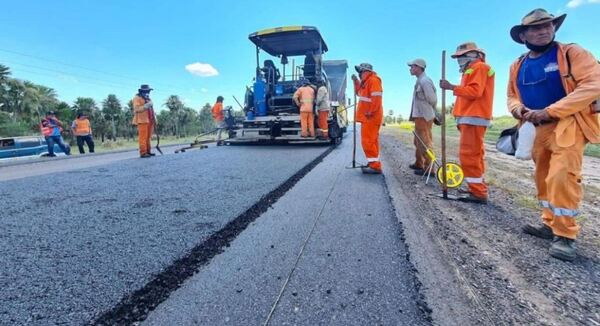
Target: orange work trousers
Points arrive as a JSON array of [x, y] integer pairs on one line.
[[558, 179], [144, 134], [369, 138], [323, 115], [471, 155], [423, 130], [307, 124]]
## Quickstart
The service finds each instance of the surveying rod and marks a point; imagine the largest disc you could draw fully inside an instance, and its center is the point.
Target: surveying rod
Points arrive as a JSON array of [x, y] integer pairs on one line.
[[354, 134], [445, 181]]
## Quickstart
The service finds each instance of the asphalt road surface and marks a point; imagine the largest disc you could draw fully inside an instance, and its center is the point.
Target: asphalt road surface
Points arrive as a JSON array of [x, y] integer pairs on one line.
[[77, 236]]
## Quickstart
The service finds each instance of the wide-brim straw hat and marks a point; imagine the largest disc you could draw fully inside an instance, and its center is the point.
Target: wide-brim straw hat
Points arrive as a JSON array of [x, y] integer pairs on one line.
[[363, 67], [535, 17], [467, 47]]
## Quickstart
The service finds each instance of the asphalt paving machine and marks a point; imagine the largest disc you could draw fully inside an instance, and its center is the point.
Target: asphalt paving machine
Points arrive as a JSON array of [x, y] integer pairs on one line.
[[270, 114]]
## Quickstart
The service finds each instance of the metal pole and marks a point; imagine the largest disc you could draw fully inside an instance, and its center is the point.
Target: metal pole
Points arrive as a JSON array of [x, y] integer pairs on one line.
[[445, 181], [354, 134]]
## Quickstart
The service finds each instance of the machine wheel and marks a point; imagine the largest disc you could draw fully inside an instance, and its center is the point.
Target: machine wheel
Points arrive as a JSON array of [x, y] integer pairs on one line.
[[454, 175]]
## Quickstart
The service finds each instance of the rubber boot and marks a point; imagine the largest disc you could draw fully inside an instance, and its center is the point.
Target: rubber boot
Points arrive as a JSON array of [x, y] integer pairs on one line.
[[563, 248], [543, 231]]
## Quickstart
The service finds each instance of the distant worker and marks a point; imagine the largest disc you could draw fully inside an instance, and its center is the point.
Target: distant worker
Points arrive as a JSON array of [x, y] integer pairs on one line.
[[323, 108], [82, 129], [369, 114], [144, 118], [422, 114], [219, 118], [473, 113], [553, 87], [51, 128], [271, 74], [304, 98]]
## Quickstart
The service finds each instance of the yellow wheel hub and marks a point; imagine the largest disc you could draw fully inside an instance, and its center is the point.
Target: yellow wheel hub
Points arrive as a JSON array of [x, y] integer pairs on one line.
[[454, 175]]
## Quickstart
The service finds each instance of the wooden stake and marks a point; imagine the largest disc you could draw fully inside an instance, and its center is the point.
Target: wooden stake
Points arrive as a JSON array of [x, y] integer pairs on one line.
[[354, 134], [445, 181]]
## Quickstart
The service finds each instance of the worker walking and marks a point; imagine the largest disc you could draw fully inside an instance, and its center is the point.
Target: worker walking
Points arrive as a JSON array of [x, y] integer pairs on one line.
[[369, 114], [422, 113], [304, 98], [473, 113], [51, 128], [143, 117], [323, 108], [219, 118], [82, 129], [554, 86]]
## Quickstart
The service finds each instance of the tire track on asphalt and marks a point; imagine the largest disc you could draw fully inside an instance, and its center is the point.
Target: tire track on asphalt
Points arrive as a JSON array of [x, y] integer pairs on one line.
[[135, 306]]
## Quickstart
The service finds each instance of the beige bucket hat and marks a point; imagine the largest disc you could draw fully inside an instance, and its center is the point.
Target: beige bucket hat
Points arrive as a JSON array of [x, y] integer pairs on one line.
[[467, 47], [535, 17]]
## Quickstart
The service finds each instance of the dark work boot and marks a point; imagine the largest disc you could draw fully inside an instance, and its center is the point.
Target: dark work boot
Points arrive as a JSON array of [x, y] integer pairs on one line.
[[563, 248], [370, 170], [414, 167], [419, 171], [543, 231]]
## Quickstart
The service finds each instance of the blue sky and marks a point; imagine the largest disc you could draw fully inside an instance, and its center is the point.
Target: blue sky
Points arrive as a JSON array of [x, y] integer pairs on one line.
[[95, 48]]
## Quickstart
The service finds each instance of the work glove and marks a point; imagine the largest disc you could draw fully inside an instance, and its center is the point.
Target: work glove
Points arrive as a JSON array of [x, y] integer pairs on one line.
[[148, 105]]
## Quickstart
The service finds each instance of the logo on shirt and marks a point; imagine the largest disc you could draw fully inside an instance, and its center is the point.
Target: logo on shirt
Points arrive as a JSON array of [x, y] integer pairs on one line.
[[551, 67]]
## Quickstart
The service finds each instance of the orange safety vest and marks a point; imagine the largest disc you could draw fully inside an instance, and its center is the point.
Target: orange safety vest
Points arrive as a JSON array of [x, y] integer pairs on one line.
[[217, 112], [48, 130], [576, 109], [82, 127], [475, 95], [306, 96], [370, 96], [140, 115]]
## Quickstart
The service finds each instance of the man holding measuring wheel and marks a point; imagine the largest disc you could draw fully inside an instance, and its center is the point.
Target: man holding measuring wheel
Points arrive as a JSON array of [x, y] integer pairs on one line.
[[473, 113]]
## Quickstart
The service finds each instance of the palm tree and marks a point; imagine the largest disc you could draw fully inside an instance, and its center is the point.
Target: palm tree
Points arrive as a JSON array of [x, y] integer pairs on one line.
[[175, 105], [111, 108], [4, 73]]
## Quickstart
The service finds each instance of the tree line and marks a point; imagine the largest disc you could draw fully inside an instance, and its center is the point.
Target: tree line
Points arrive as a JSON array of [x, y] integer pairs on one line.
[[23, 104]]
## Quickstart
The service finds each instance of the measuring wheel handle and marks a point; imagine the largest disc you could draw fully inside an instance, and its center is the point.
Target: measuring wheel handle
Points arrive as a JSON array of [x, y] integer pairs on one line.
[[454, 175]]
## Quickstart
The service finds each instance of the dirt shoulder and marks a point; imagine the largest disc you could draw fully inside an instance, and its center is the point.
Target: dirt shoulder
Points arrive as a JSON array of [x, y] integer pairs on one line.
[[490, 271]]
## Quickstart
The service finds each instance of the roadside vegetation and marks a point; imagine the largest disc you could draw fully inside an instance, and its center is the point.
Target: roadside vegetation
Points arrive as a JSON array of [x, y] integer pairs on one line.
[[23, 104]]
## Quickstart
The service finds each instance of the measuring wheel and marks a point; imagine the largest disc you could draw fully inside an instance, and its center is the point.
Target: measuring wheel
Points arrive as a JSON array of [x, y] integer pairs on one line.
[[454, 175]]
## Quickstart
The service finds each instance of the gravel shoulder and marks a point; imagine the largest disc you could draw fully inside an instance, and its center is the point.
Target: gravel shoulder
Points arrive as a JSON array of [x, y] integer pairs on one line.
[[495, 273]]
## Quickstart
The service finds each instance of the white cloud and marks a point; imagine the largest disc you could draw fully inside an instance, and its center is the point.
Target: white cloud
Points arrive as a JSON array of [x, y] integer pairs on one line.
[[203, 90], [202, 69], [577, 3]]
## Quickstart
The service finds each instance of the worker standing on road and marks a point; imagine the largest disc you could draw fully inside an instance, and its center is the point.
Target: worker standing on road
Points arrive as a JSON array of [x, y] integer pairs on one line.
[[219, 117], [82, 129], [553, 87], [473, 113], [51, 128], [369, 114], [323, 108], [304, 98], [143, 117], [422, 114]]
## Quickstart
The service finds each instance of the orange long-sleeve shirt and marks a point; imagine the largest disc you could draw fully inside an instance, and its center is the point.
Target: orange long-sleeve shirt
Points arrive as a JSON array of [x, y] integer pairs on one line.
[[370, 96], [217, 112], [475, 95]]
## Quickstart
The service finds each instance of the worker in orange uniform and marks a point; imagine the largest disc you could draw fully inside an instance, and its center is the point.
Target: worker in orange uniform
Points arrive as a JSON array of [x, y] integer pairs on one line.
[[143, 117], [369, 114], [304, 98], [554, 86], [473, 113], [323, 109], [82, 129], [219, 117]]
